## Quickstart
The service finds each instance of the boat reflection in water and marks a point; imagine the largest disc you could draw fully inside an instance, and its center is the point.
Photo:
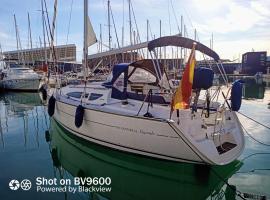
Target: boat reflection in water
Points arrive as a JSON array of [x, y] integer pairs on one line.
[[137, 177], [17, 103], [253, 89], [22, 113]]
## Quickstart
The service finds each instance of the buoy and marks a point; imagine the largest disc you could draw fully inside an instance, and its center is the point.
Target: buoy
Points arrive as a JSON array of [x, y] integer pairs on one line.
[[47, 136], [43, 92], [51, 106], [79, 116], [236, 95], [55, 159]]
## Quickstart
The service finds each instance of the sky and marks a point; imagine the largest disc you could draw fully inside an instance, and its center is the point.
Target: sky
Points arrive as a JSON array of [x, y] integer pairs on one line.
[[238, 26]]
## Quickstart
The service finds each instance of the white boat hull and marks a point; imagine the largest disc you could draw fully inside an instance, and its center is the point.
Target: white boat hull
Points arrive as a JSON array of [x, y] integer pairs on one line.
[[148, 137]]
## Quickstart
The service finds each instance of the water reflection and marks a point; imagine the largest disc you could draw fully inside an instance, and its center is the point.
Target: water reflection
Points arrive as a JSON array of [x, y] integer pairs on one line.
[[135, 177], [253, 89], [21, 113]]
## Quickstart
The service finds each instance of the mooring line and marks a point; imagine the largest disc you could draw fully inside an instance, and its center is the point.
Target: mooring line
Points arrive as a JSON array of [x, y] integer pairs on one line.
[[254, 120], [262, 143], [253, 170], [237, 192], [254, 154]]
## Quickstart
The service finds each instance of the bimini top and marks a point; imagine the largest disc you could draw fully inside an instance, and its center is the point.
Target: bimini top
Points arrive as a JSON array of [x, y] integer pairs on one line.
[[182, 42], [131, 68], [148, 65]]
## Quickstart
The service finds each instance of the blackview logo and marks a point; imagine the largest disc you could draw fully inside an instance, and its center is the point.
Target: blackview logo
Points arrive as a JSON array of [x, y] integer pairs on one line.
[[24, 184]]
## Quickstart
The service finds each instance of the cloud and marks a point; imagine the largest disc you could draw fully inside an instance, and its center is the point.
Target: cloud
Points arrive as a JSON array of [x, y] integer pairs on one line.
[[239, 18], [3, 36], [210, 5], [262, 7], [234, 48]]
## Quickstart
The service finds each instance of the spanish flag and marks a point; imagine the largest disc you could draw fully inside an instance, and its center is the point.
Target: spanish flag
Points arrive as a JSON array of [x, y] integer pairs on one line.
[[181, 97]]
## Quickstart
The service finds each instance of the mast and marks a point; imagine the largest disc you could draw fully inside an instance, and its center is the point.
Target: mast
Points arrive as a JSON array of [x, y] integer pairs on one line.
[[147, 35], [52, 33], [1, 66], [17, 40], [30, 38], [43, 27], [109, 25], [109, 31], [212, 43], [130, 26], [130, 22], [123, 24], [160, 36], [85, 47], [100, 38], [19, 45], [181, 49]]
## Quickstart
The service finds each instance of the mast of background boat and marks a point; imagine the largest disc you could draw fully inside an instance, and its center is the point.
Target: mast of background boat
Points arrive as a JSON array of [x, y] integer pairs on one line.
[[17, 41], [185, 50], [123, 29], [181, 49], [1, 58], [100, 38], [130, 28], [147, 35], [44, 39], [212, 43], [109, 31], [52, 50], [53, 26], [85, 46], [71, 7], [30, 38], [160, 56]]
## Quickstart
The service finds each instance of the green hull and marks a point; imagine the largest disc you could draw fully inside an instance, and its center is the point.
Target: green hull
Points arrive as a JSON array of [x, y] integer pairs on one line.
[[134, 176]]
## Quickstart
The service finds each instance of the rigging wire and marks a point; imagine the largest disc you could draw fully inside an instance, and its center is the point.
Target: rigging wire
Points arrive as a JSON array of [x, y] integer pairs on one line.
[[69, 21], [51, 36], [175, 17], [115, 31], [135, 21]]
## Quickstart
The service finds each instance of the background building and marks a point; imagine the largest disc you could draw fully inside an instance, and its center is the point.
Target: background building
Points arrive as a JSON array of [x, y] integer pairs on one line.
[[229, 66], [253, 62], [63, 53]]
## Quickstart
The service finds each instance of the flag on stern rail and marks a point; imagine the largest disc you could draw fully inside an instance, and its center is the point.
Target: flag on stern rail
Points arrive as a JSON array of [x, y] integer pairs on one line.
[[182, 94]]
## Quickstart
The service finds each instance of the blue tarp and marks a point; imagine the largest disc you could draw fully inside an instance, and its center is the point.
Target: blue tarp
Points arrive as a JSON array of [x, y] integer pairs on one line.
[[117, 71]]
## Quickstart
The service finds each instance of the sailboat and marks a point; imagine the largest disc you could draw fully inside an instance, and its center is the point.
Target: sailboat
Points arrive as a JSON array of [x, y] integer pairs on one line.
[[131, 111]]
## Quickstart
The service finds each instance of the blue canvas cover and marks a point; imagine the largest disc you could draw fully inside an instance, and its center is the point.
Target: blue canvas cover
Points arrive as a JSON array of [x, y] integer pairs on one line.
[[203, 78], [236, 95], [117, 71]]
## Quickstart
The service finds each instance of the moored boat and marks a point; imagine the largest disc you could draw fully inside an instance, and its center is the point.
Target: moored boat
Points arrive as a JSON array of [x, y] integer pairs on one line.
[[19, 78], [132, 111]]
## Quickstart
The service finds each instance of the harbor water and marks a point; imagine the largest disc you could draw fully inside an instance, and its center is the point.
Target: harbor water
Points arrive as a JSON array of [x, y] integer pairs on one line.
[[34, 147]]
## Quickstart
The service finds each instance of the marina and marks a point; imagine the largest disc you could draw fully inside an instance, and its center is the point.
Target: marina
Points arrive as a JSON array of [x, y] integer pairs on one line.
[[163, 116], [27, 154]]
